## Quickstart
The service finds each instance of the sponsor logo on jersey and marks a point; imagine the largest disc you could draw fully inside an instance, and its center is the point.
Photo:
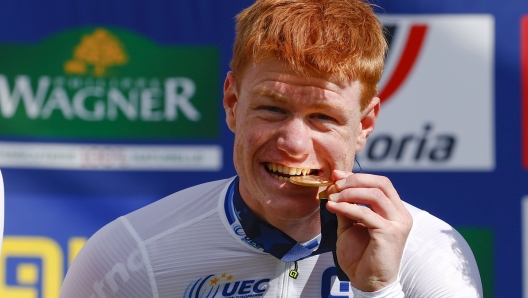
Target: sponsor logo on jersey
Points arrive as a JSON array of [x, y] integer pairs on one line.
[[332, 287], [438, 68], [226, 286], [239, 231]]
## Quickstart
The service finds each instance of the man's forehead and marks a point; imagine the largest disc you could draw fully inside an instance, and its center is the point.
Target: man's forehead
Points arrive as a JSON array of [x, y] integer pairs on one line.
[[287, 86], [275, 69]]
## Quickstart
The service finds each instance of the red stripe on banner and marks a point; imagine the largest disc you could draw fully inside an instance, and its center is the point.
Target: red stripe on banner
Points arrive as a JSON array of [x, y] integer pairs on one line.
[[524, 89], [407, 60]]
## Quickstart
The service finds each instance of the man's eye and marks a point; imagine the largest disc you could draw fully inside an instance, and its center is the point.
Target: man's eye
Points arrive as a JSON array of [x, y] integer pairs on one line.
[[272, 109], [323, 117]]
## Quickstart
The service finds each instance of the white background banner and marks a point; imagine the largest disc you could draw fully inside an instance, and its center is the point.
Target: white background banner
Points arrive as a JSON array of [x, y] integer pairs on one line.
[[524, 210], [441, 115], [110, 157]]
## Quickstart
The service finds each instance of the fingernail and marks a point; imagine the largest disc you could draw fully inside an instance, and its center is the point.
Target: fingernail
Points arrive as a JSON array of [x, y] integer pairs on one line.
[[339, 172], [333, 197], [340, 183]]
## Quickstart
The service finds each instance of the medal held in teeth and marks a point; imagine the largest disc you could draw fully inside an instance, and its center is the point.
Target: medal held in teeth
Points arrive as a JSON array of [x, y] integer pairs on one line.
[[313, 181]]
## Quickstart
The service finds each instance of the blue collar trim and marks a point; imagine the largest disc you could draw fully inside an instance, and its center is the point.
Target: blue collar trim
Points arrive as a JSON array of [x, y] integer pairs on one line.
[[262, 235]]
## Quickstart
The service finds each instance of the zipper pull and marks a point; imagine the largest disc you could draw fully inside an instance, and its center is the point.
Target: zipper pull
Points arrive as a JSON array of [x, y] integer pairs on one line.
[[294, 273]]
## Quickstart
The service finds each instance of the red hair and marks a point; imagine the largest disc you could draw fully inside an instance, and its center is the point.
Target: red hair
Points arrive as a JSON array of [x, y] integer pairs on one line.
[[343, 38]]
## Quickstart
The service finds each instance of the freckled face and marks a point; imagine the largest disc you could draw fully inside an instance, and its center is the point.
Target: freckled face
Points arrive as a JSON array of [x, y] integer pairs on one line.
[[284, 125]]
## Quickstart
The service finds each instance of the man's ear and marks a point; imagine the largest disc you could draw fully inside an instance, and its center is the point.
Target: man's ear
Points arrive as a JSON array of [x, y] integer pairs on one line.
[[368, 122], [230, 100]]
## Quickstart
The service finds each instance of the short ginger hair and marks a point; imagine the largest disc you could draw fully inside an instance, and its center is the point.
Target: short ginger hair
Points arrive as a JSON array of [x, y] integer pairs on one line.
[[342, 38]]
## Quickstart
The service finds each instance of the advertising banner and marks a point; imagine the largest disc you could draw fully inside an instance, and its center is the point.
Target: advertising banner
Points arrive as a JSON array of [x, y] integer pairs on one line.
[[95, 99], [437, 94], [108, 85]]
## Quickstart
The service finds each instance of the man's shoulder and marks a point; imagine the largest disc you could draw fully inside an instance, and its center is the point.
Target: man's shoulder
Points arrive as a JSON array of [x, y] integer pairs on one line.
[[428, 226], [177, 208], [423, 220], [170, 211], [436, 252], [122, 245], [198, 196]]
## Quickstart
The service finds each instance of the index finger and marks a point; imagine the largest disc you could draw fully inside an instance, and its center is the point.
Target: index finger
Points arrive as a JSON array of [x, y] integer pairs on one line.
[[337, 175], [361, 180]]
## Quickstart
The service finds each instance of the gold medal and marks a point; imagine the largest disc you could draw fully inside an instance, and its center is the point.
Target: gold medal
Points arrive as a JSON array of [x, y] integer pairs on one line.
[[311, 180]]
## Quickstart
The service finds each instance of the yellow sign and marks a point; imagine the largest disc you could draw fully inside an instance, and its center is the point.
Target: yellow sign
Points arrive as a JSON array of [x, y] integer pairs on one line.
[[32, 278]]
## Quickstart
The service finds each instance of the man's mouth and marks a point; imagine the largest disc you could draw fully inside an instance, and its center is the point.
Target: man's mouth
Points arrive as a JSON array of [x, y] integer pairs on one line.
[[283, 173]]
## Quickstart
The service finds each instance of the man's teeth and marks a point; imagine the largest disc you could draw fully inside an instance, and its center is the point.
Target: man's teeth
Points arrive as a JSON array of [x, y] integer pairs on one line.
[[287, 170], [284, 179]]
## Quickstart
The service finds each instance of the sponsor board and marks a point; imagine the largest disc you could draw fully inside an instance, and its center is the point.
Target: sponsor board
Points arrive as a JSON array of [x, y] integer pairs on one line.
[[437, 95], [108, 84], [33, 266], [110, 157], [524, 87]]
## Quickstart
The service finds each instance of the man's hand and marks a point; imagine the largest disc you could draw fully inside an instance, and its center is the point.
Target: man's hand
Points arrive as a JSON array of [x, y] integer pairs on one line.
[[370, 241]]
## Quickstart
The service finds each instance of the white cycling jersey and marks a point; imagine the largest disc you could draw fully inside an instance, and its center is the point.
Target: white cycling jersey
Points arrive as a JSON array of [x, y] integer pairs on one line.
[[189, 245]]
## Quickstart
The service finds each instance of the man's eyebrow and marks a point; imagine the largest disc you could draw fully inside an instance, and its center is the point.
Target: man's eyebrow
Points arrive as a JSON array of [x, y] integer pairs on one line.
[[273, 94], [280, 98]]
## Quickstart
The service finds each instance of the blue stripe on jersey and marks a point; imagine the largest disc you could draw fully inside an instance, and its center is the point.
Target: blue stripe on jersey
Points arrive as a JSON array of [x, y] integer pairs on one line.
[[274, 241], [228, 202], [312, 244]]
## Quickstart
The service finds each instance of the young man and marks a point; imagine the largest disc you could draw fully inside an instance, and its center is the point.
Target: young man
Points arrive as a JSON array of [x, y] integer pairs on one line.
[[301, 100]]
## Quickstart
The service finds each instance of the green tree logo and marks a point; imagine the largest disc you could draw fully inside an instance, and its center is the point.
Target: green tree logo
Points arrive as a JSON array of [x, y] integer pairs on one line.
[[97, 51]]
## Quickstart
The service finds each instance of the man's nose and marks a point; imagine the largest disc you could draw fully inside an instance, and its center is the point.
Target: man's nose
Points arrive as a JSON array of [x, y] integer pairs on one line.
[[295, 138]]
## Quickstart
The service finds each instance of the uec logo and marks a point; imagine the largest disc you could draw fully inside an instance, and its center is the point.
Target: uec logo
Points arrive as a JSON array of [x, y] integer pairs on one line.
[[222, 286]]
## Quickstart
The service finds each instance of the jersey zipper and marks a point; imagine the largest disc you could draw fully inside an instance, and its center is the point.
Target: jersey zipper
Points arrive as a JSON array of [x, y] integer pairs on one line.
[[286, 279]]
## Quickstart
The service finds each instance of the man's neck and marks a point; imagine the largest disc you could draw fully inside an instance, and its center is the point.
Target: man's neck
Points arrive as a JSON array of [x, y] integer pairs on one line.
[[301, 230]]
